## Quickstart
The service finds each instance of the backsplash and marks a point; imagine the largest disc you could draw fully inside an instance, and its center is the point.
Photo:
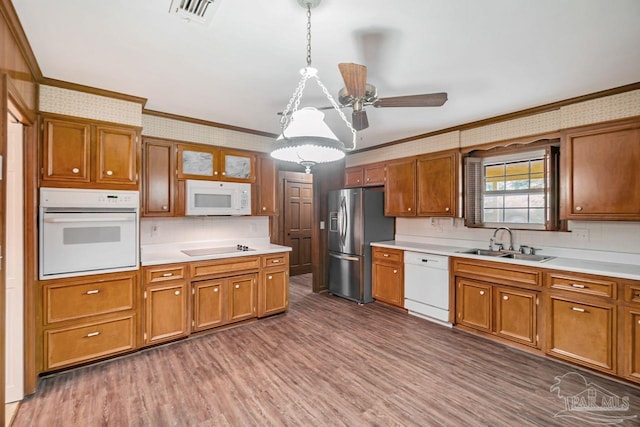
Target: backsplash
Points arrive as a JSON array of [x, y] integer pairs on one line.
[[600, 236], [242, 229]]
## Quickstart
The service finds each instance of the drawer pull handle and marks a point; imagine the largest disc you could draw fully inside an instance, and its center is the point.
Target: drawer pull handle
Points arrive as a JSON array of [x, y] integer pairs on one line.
[[92, 292], [576, 285], [636, 295], [275, 261], [269, 277], [167, 274], [481, 292], [578, 309], [506, 298], [385, 255], [176, 293], [92, 334]]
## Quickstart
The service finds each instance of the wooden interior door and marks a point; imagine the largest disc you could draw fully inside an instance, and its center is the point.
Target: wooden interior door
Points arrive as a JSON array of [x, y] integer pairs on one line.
[[298, 218]]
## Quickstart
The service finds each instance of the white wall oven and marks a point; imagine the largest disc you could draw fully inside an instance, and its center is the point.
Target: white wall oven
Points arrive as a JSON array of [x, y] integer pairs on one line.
[[87, 232]]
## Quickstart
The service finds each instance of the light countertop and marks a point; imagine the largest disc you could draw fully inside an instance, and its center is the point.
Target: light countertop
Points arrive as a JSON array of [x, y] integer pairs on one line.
[[612, 269], [172, 253]]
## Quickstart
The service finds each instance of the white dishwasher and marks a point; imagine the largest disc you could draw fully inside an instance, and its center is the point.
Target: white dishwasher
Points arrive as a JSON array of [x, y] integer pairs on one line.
[[426, 286]]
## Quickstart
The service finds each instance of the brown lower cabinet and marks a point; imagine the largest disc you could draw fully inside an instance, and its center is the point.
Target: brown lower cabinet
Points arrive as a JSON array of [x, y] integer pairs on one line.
[[474, 305], [166, 310], [388, 276], [632, 343]]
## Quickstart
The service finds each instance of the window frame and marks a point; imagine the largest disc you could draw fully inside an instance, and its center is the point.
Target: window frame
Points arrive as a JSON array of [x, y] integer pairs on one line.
[[474, 182]]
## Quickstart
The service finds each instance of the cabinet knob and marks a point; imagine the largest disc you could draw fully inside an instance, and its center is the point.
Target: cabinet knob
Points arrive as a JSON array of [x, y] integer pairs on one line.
[[358, 181], [578, 208], [224, 173], [506, 298], [92, 334], [237, 286], [75, 170], [165, 207], [264, 208], [176, 293], [481, 292], [269, 277], [109, 173], [395, 271], [368, 179], [215, 173], [92, 292], [446, 209], [215, 289], [409, 209]]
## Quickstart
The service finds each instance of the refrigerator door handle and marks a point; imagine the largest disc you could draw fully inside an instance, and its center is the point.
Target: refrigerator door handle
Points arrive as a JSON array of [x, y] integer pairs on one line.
[[342, 218], [344, 257]]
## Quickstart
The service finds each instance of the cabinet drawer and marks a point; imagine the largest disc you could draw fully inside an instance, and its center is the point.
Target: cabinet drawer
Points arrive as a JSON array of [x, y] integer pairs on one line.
[[164, 273], [88, 341], [632, 293], [223, 266], [604, 288], [582, 332], [392, 256], [73, 301], [275, 259], [496, 272]]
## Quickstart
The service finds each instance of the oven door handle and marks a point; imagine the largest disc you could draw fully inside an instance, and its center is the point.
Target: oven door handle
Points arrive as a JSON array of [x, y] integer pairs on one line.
[[99, 219]]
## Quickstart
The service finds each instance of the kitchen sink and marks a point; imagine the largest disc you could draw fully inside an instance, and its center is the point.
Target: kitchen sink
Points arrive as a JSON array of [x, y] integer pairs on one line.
[[528, 257], [510, 255], [484, 252]]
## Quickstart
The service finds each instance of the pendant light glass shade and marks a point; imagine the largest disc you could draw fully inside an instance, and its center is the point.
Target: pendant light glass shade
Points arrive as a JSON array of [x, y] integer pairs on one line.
[[308, 140]]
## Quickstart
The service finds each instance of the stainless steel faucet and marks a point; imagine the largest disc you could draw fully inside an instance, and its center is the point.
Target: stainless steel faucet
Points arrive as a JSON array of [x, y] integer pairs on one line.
[[493, 238]]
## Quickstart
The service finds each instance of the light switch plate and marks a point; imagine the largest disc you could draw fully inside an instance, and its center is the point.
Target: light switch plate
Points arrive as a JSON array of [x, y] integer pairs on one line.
[[321, 225]]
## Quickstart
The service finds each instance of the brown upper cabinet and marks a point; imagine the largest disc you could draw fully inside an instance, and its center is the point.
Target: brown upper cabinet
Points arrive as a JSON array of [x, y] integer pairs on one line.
[[208, 162], [264, 189], [370, 175], [85, 154], [601, 173], [400, 188], [438, 184], [158, 183]]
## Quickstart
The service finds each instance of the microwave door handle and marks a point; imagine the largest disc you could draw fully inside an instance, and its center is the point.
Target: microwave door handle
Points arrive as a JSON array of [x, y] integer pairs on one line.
[[103, 219]]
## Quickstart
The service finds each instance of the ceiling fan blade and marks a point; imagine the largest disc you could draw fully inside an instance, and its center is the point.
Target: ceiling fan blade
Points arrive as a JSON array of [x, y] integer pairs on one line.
[[426, 100], [359, 120], [355, 78]]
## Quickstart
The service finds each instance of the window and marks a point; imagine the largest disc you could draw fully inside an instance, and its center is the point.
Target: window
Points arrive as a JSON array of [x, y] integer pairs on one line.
[[517, 188]]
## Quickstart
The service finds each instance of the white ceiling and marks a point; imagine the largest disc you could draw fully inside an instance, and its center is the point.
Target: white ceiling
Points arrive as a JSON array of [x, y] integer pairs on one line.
[[492, 56]]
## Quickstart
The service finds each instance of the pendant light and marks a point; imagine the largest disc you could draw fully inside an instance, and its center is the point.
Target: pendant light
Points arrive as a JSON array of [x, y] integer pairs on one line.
[[306, 139]]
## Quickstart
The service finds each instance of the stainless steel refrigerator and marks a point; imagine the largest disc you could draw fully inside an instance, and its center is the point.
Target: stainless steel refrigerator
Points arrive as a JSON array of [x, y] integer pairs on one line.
[[356, 218]]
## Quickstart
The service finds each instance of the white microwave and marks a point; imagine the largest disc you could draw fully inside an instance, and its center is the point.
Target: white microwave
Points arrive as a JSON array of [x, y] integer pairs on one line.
[[217, 198]]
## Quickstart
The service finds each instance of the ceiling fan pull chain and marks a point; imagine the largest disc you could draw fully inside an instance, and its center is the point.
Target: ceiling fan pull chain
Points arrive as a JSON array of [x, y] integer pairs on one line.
[[342, 116]]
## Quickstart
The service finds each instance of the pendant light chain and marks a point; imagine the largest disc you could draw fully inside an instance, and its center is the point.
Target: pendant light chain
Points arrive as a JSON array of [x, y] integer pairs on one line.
[[308, 35]]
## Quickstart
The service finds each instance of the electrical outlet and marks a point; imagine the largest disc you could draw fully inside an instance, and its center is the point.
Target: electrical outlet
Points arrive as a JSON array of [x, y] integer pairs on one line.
[[581, 234]]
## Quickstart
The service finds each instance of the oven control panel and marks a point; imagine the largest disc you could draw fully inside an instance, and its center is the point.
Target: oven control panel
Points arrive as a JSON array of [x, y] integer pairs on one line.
[[84, 198]]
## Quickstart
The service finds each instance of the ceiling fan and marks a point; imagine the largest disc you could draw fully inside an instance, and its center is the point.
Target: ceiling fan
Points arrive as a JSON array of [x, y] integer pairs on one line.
[[357, 94]]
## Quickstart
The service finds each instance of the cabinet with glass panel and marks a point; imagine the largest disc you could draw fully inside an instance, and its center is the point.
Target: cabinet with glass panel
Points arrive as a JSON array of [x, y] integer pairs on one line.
[[204, 162]]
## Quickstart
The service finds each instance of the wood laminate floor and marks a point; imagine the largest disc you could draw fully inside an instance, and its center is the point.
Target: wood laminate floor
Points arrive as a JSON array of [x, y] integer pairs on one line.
[[327, 362]]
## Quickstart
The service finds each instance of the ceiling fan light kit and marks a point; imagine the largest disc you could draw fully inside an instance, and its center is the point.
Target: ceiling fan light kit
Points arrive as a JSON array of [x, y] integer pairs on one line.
[[306, 139]]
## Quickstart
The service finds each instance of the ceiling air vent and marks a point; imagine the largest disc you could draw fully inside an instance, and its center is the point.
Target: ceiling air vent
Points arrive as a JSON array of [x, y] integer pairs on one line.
[[198, 11]]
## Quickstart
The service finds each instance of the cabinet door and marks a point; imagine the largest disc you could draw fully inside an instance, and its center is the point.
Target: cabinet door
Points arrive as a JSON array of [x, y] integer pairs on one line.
[[273, 295], [473, 304], [117, 155], [374, 175], [237, 166], [198, 162], [601, 170], [582, 332], [437, 178], [208, 304], [265, 188], [516, 315], [632, 343], [158, 186], [66, 151], [165, 312], [400, 188], [353, 177], [388, 284], [242, 297]]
